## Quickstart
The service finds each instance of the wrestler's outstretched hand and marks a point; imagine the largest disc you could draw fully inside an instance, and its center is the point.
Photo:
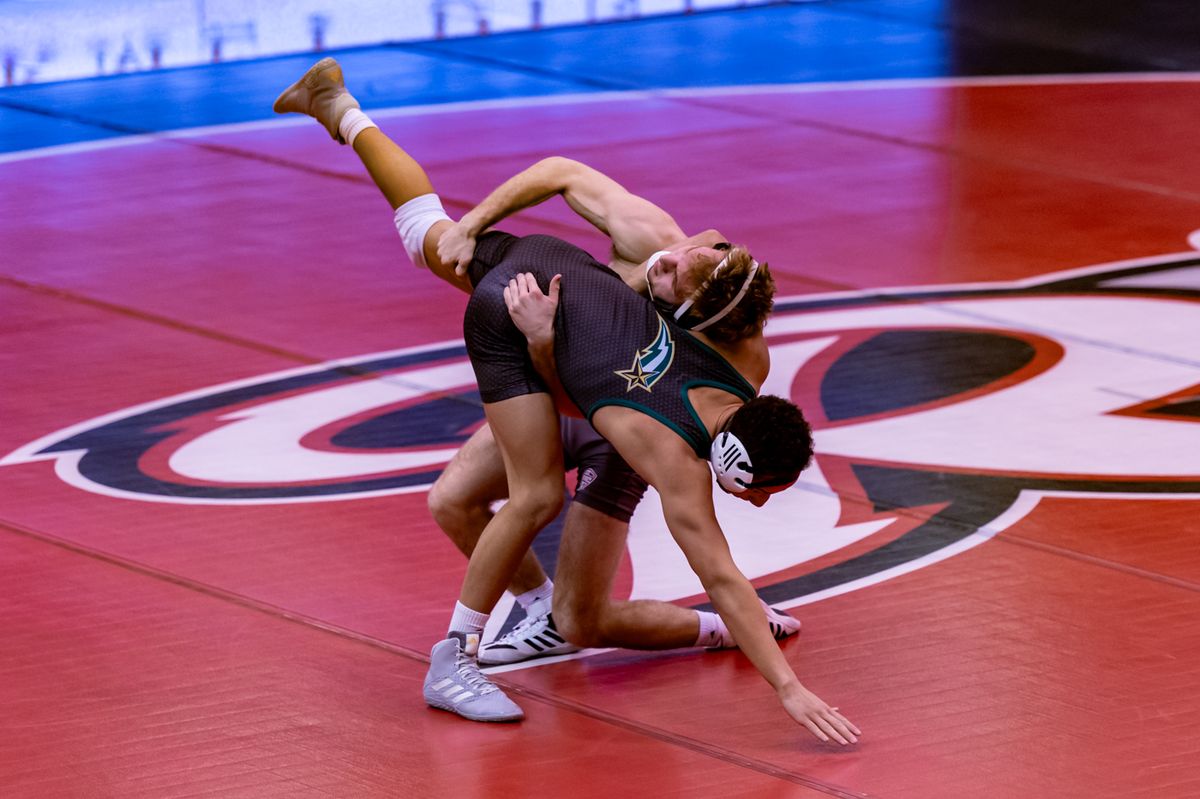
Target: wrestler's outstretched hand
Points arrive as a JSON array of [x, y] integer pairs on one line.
[[823, 721], [531, 310], [457, 246]]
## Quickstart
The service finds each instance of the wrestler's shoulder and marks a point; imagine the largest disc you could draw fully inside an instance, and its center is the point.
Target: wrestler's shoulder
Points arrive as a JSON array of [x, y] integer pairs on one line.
[[554, 246]]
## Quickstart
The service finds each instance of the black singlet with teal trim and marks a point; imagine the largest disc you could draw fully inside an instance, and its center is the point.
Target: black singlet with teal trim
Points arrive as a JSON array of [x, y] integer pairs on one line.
[[611, 345]]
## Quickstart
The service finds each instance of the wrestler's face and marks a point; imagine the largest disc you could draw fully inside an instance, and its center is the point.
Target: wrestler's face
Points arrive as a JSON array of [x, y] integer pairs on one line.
[[758, 495], [755, 496], [679, 271]]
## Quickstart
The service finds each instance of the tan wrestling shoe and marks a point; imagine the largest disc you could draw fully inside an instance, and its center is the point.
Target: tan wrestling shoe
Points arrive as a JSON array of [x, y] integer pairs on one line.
[[321, 94]]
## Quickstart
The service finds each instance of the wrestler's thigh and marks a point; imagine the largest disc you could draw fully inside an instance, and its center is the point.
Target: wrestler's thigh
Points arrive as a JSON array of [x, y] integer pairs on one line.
[[589, 553], [526, 431]]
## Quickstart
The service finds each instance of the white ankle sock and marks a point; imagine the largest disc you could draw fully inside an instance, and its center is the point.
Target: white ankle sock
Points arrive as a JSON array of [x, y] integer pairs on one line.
[[466, 620], [353, 123], [713, 631], [544, 591]]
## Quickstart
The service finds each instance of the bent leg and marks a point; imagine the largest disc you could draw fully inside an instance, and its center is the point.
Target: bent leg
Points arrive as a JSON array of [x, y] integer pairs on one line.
[[584, 611], [321, 94], [526, 432], [461, 499], [400, 178]]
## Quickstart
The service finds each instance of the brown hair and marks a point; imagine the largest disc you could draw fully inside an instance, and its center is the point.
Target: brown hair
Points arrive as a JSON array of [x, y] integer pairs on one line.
[[717, 290]]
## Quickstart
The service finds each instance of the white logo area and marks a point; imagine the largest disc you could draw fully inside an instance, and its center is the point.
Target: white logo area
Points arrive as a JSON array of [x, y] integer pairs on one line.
[[1118, 351], [263, 444]]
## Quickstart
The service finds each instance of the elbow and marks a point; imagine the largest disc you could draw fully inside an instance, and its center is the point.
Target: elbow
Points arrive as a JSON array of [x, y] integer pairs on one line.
[[563, 171], [559, 165]]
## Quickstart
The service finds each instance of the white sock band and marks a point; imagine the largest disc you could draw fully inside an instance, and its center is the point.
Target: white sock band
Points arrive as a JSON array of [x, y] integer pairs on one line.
[[353, 123], [544, 591], [413, 220], [713, 631], [707, 628], [466, 620]]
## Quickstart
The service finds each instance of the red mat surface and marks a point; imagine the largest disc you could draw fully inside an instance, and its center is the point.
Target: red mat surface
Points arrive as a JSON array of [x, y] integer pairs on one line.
[[154, 647]]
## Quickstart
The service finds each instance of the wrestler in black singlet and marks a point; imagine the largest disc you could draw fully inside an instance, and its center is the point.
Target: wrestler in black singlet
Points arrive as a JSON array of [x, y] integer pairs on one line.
[[611, 345]]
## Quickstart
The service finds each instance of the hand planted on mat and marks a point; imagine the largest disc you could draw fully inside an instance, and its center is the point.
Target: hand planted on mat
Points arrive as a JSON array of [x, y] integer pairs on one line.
[[531, 310], [456, 246], [822, 721]]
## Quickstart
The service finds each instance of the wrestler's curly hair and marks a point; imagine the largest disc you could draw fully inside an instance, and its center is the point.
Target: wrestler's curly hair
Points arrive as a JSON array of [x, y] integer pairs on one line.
[[717, 290], [777, 437]]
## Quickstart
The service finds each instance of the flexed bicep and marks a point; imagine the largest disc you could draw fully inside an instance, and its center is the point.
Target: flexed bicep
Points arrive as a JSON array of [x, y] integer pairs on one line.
[[636, 226]]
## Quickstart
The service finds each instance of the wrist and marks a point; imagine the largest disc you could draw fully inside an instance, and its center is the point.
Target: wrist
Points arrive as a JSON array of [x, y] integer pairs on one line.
[[790, 686], [472, 223]]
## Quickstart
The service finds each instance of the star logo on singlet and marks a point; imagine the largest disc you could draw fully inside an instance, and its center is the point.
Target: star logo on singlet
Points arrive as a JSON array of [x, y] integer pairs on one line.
[[651, 363]]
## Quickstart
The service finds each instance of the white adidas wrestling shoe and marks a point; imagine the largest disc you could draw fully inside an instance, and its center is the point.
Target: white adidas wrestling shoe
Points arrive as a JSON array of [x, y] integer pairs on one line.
[[535, 636], [782, 625]]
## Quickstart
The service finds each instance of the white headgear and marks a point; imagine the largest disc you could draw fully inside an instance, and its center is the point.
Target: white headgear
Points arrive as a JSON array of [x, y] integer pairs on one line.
[[731, 463], [721, 314]]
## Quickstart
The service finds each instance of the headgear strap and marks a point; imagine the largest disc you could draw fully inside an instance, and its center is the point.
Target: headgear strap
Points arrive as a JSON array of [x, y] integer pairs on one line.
[[650, 262], [732, 303]]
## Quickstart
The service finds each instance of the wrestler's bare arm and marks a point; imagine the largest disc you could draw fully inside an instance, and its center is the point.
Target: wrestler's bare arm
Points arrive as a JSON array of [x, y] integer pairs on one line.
[[636, 226], [684, 485]]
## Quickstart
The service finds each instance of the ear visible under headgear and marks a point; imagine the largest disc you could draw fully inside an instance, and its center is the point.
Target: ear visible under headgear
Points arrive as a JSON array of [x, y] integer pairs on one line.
[[731, 463]]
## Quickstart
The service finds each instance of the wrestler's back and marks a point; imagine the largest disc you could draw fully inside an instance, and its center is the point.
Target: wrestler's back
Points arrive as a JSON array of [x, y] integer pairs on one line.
[[611, 345], [598, 314]]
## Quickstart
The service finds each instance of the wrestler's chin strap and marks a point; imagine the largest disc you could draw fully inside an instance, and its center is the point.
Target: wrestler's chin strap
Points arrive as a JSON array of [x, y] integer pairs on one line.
[[731, 463], [721, 314]]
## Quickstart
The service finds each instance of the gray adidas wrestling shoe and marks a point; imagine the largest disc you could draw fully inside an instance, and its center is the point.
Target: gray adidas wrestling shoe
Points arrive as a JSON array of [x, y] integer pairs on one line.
[[454, 683]]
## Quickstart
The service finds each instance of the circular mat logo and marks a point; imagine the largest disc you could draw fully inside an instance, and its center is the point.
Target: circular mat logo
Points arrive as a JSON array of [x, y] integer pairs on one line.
[[942, 416], [385, 423]]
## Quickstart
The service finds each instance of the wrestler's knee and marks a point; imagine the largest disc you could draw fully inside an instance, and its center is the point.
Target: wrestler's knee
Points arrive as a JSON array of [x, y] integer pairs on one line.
[[453, 508], [578, 619], [538, 502], [440, 502]]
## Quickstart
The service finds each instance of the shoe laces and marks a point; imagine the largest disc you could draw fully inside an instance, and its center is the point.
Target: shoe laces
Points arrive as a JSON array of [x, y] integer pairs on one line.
[[468, 671], [527, 628]]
